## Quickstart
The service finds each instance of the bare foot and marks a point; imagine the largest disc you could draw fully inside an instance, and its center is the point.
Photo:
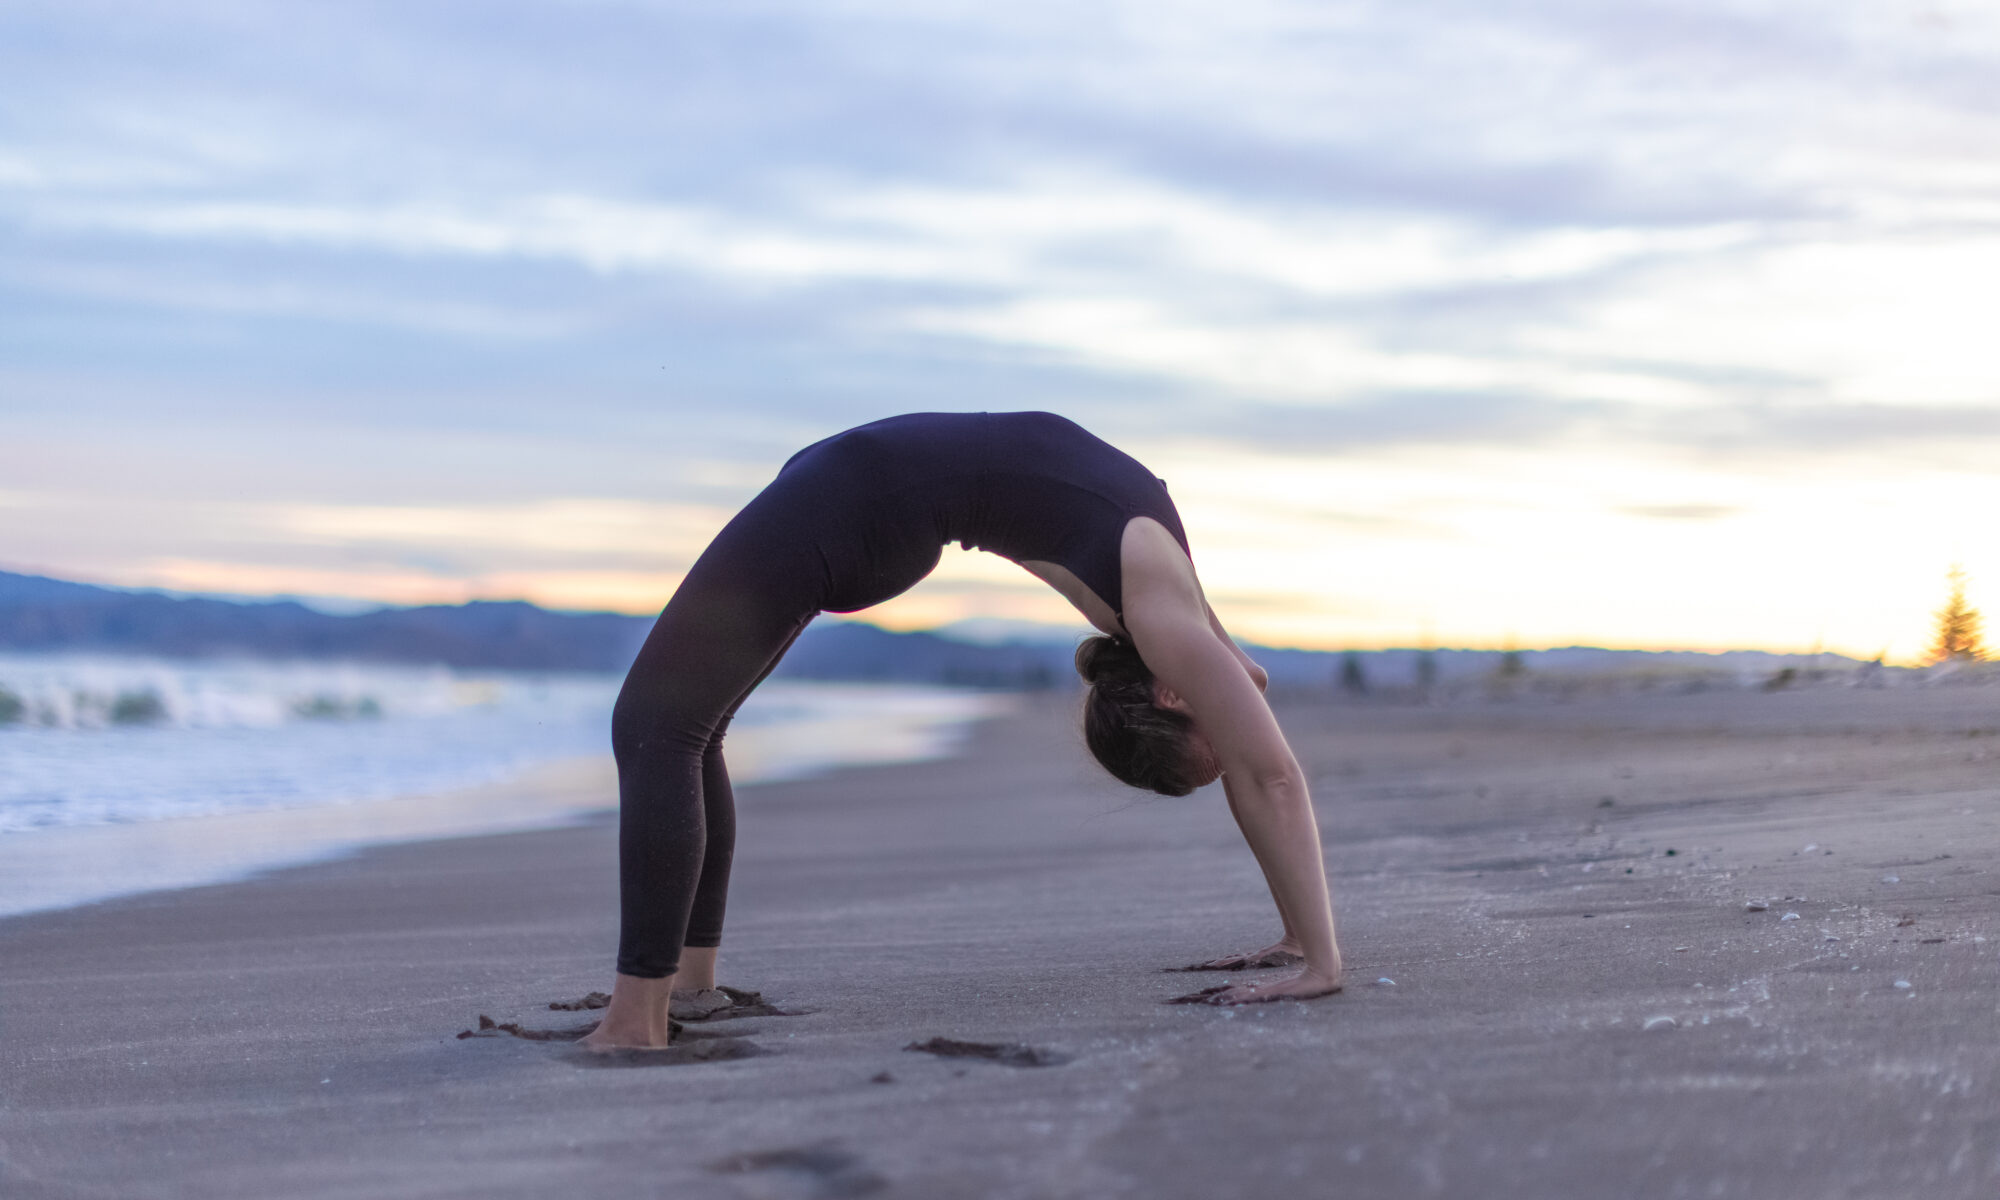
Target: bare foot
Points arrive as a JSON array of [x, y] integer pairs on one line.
[[1302, 984], [636, 1018]]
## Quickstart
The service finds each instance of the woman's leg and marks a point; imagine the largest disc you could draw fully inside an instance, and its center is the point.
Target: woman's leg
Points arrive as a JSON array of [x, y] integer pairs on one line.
[[711, 893], [677, 819], [723, 631]]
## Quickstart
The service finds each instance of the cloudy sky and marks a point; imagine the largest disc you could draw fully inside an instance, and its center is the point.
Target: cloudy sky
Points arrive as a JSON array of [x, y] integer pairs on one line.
[[1642, 324]]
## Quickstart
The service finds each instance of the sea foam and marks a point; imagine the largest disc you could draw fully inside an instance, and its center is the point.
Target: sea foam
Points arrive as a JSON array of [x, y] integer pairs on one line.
[[89, 741]]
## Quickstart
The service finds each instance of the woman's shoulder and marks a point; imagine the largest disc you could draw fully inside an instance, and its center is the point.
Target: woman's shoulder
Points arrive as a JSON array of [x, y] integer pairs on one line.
[[1149, 542], [1158, 575]]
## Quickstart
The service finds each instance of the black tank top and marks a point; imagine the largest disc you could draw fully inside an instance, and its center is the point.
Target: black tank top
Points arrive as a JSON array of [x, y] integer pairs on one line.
[[882, 500]]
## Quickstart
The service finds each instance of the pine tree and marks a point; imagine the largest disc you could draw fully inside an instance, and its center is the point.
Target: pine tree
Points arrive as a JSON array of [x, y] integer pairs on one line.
[[1958, 633]]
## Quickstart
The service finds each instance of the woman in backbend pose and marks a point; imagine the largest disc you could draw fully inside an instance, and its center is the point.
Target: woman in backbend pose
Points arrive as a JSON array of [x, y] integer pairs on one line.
[[861, 517]]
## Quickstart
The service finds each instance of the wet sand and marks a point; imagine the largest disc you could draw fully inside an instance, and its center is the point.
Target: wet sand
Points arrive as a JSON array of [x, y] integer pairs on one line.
[[1583, 1002]]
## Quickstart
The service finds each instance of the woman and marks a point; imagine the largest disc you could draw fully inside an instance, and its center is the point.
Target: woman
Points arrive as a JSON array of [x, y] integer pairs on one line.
[[862, 516]]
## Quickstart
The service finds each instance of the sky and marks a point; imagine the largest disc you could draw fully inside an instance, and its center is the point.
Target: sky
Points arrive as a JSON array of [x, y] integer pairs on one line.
[[1471, 324]]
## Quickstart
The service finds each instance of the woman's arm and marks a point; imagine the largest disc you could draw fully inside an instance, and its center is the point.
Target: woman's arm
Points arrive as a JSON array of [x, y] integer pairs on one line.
[[1286, 947], [1258, 675], [1284, 836], [1291, 939], [1169, 623]]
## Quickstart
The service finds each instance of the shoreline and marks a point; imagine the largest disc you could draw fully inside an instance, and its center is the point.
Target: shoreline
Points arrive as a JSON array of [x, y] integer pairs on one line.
[[49, 870], [45, 870]]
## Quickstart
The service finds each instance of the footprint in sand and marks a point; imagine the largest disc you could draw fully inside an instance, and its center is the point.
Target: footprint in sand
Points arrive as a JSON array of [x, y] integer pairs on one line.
[[1011, 1054], [1213, 995], [708, 1004], [689, 1046], [1243, 962], [828, 1172], [1208, 995], [488, 1027], [726, 1004], [591, 1001]]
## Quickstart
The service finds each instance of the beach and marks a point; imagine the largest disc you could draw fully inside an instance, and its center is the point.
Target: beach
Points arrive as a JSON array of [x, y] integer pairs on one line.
[[1720, 944]]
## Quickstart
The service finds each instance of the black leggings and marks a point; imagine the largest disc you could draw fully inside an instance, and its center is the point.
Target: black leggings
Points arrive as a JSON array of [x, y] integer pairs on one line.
[[848, 523], [732, 619]]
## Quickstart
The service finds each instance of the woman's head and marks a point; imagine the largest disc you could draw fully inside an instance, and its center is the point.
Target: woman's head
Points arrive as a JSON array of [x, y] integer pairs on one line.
[[1128, 730]]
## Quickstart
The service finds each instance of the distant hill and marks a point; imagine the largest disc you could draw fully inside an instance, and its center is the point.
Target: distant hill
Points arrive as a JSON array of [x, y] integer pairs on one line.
[[857, 651], [51, 615]]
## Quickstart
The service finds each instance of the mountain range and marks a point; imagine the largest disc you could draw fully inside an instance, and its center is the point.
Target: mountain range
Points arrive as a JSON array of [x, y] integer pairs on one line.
[[42, 615]]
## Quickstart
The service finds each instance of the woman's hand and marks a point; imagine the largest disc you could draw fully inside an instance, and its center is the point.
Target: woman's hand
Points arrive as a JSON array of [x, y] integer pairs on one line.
[[1302, 984], [1206, 677]]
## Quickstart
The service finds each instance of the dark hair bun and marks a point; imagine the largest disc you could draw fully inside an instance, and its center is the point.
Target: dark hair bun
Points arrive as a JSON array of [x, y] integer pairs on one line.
[[1133, 737], [1103, 657]]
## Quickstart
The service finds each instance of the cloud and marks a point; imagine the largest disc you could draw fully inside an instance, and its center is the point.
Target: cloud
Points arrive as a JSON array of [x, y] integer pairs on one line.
[[1680, 512], [292, 299], [390, 270], [1757, 437], [586, 529], [1810, 429]]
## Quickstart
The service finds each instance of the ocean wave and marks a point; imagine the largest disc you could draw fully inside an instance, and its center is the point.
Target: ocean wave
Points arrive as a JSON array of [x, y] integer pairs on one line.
[[90, 740]]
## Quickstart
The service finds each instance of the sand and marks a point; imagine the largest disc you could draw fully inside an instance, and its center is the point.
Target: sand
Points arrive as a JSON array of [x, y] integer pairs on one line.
[[1557, 985]]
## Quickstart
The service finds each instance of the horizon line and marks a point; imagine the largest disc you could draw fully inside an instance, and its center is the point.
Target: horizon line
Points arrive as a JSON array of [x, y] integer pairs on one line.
[[354, 606]]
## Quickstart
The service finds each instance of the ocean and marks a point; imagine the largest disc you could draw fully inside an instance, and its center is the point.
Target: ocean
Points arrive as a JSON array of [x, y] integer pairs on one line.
[[123, 774]]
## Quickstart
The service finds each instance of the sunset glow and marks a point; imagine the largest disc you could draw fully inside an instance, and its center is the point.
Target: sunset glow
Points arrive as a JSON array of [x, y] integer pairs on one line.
[[1648, 326]]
